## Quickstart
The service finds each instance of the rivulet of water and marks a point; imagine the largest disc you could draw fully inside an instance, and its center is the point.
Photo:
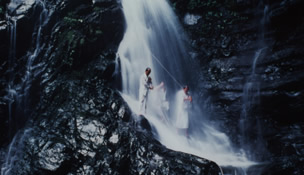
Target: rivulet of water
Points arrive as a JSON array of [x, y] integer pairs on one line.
[[18, 90], [18, 96], [251, 97]]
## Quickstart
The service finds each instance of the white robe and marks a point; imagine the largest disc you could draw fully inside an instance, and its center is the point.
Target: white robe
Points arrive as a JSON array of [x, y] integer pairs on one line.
[[144, 86], [182, 118], [161, 105]]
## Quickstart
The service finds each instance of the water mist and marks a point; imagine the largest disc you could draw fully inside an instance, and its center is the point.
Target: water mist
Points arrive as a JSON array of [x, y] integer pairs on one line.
[[154, 38]]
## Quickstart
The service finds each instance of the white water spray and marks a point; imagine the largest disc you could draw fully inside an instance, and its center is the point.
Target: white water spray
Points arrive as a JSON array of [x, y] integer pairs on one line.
[[153, 32], [153, 37]]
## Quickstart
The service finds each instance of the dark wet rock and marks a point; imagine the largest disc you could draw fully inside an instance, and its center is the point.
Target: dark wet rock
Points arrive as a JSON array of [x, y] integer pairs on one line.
[[225, 40], [76, 122], [87, 128], [75, 34], [79, 124], [287, 148], [3, 30], [143, 124]]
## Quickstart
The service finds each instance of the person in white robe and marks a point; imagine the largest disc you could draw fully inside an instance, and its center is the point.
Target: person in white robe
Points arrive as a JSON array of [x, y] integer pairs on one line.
[[144, 87], [183, 102]]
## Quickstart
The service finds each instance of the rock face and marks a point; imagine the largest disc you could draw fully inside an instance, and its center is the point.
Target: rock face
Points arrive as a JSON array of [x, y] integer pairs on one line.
[[251, 73], [72, 120], [88, 129], [250, 78], [74, 34]]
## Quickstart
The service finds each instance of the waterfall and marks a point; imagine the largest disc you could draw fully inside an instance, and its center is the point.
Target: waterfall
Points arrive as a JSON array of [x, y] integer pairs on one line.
[[15, 151], [30, 67], [18, 91], [12, 54], [154, 38], [43, 19], [157, 42], [251, 94]]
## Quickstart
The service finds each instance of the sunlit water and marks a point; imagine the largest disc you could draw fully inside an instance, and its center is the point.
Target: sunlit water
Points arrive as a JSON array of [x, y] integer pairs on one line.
[[154, 38]]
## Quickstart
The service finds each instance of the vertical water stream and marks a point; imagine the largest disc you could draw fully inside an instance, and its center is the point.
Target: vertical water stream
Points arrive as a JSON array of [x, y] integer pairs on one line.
[[250, 129], [19, 83], [18, 94]]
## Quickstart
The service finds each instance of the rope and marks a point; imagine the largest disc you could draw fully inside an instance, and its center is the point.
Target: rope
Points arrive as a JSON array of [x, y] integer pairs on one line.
[[166, 70]]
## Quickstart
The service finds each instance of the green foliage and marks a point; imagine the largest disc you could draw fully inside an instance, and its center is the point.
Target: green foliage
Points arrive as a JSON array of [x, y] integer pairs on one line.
[[69, 20], [97, 9], [81, 41], [98, 32], [68, 61], [174, 6], [193, 4], [72, 21], [69, 37], [68, 42], [197, 4]]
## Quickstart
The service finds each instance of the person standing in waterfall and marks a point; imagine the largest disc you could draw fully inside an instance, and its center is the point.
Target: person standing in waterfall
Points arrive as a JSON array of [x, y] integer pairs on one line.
[[144, 87], [183, 103]]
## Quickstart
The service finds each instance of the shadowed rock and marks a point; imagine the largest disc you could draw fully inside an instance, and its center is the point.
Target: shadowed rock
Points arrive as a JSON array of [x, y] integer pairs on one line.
[[78, 123]]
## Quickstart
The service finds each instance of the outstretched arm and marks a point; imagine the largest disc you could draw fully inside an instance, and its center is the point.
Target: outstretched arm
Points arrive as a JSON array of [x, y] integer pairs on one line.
[[149, 83], [188, 98]]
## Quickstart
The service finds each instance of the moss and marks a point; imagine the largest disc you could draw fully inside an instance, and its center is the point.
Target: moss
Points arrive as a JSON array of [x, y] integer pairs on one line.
[[97, 9], [1, 10], [68, 42], [68, 61], [72, 21], [81, 41], [98, 32], [174, 6], [69, 37], [194, 4]]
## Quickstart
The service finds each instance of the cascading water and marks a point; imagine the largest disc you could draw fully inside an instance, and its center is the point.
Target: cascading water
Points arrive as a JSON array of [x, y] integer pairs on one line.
[[18, 91], [15, 151], [251, 94], [12, 54], [154, 38], [43, 19]]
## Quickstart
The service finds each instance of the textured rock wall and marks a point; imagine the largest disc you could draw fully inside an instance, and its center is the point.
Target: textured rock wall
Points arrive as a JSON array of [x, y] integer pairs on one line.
[[77, 122], [225, 37]]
